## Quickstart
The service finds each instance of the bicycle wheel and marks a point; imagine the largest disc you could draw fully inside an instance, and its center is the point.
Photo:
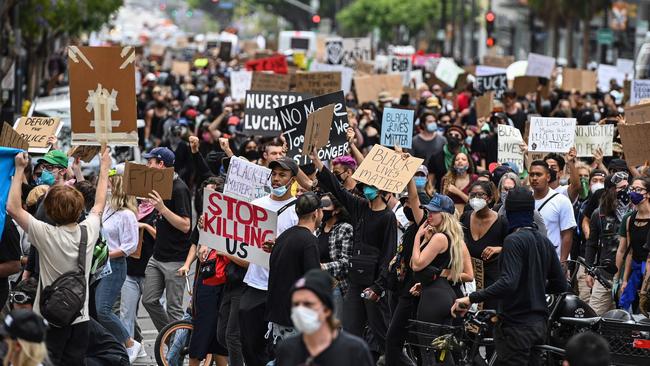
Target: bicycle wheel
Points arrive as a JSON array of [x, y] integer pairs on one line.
[[172, 344]]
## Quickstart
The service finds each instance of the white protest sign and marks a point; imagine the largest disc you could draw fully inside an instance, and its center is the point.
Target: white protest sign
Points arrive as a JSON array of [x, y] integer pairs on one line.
[[625, 66], [605, 74], [399, 64], [240, 82], [509, 151], [346, 73], [247, 181], [540, 65], [236, 227], [639, 90], [482, 70], [447, 71], [551, 134], [591, 138]]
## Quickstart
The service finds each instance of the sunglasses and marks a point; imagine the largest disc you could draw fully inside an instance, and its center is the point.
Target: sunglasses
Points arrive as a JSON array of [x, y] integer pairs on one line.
[[18, 297]]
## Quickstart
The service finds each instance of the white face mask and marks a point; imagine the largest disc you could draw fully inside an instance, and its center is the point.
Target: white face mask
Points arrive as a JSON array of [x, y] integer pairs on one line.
[[477, 203], [305, 320], [596, 186]]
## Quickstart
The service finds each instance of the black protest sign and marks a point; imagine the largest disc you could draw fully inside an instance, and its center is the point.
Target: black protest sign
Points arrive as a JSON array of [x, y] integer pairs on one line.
[[225, 50], [293, 121], [497, 83], [259, 117]]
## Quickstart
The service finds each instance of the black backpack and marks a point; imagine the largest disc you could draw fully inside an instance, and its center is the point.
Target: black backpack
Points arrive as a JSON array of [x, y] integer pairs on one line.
[[62, 301]]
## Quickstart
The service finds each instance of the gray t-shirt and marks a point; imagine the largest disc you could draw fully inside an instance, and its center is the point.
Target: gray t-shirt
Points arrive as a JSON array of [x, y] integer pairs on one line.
[[425, 149]]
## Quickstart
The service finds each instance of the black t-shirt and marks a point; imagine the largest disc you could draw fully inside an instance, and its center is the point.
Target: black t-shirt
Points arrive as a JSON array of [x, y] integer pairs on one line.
[[295, 252], [172, 245], [494, 237], [9, 252], [345, 350], [639, 238], [436, 166], [136, 267], [324, 247]]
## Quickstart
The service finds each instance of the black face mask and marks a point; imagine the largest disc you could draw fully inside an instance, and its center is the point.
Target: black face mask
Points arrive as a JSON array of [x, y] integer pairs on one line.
[[252, 155], [408, 212], [453, 144], [327, 214], [339, 178], [623, 196]]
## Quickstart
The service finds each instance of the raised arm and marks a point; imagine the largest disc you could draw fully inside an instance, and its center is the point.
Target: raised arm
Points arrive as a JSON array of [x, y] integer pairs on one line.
[[14, 204], [102, 183], [354, 150]]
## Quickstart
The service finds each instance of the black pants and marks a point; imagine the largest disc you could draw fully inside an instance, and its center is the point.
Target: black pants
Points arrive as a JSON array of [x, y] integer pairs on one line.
[[357, 312], [398, 332], [253, 326], [67, 346], [514, 343], [228, 326]]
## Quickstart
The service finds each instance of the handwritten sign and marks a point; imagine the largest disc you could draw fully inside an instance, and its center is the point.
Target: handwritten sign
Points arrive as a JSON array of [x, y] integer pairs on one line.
[[637, 114], [140, 180], [498, 61], [318, 128], [260, 117], [348, 51], [591, 138], [551, 134], [386, 169], [397, 127], [346, 73], [293, 120], [399, 64], [318, 83], [36, 130], [10, 138], [247, 181], [540, 65], [270, 82], [277, 64], [639, 90], [447, 71], [368, 87], [497, 83], [240, 82], [509, 151], [625, 66], [237, 227]]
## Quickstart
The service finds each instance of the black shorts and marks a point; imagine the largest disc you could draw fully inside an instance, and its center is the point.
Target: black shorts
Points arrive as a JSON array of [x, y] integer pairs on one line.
[[207, 300]]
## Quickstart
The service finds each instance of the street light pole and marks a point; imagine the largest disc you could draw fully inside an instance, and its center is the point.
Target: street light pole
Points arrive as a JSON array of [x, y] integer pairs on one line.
[[18, 69]]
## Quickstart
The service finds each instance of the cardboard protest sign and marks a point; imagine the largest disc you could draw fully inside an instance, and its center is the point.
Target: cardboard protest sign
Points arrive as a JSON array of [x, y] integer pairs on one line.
[[397, 127], [607, 73], [364, 68], [260, 117], [236, 227], [540, 65], [36, 130], [85, 153], [593, 137], [277, 64], [240, 82], [484, 105], [528, 84], [447, 71], [270, 82], [346, 73], [498, 61], [247, 181], [386, 169], [293, 121], [637, 114], [368, 87], [508, 141], [497, 83], [157, 50], [181, 68], [318, 83], [140, 180], [583, 81], [639, 90], [10, 138], [635, 142], [102, 95], [551, 134], [318, 128]]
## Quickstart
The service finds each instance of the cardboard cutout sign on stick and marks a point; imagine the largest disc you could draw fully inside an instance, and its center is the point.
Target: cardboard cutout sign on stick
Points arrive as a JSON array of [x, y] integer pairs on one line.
[[236, 227], [397, 127], [551, 134], [368, 87], [10, 138], [270, 82], [102, 95], [247, 181], [318, 128], [36, 130], [635, 142], [386, 169], [85, 153], [593, 137], [260, 117], [140, 180]]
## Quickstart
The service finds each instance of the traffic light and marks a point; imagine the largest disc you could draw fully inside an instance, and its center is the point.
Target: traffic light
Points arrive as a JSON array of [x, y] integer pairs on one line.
[[490, 17], [315, 18]]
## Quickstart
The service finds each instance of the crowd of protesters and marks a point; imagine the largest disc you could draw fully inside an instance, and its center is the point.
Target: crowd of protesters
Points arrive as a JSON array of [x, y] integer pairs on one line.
[[416, 248]]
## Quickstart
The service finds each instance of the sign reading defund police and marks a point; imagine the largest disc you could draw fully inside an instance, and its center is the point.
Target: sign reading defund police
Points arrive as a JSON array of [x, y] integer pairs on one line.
[[236, 227], [293, 121], [260, 117]]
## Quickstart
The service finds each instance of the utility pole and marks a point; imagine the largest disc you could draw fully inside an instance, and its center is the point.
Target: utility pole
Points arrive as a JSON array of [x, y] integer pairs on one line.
[[473, 44], [443, 26], [18, 67], [454, 14], [462, 30]]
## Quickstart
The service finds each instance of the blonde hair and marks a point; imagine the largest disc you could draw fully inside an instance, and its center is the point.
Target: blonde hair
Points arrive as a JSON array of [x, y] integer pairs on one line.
[[452, 227], [120, 200], [31, 353], [35, 194]]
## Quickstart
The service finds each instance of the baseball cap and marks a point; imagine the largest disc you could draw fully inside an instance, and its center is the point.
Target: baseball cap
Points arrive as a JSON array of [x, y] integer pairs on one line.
[[320, 283], [440, 203], [422, 169], [432, 102], [286, 164], [384, 97], [55, 157], [307, 203], [163, 154], [24, 324]]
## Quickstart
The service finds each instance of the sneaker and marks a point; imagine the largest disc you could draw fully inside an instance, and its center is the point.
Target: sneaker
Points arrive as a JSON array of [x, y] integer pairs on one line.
[[142, 352], [133, 351]]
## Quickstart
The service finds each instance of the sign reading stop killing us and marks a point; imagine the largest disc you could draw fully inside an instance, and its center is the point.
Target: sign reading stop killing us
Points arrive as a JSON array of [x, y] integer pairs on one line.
[[551, 134], [236, 227]]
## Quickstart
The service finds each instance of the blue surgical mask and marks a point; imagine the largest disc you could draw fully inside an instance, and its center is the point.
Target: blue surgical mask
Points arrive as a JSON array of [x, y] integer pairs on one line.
[[468, 140], [279, 191], [46, 178], [461, 169], [432, 127], [370, 192], [420, 182]]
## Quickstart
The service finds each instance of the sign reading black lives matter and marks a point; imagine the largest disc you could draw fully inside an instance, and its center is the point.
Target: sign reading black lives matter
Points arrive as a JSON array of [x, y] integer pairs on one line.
[[293, 121], [498, 83], [260, 117]]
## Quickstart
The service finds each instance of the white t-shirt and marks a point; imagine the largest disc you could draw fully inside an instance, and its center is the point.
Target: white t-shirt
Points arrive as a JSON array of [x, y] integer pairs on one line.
[[58, 250], [557, 215], [256, 275]]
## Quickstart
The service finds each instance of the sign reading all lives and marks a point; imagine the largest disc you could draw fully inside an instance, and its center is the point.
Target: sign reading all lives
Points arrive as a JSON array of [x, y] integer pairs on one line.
[[397, 127], [237, 227], [551, 134]]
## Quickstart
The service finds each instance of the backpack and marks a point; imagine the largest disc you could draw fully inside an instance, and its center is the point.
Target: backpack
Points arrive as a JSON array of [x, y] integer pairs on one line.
[[62, 301]]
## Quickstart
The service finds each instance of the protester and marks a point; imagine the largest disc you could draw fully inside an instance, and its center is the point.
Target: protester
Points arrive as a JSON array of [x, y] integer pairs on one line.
[[343, 168], [24, 333], [10, 254], [457, 181], [428, 142], [587, 349], [23, 295]]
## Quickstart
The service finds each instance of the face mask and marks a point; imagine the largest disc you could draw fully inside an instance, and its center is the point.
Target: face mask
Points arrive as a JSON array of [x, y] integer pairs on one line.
[[370, 193], [305, 320], [477, 203], [623, 197], [279, 191], [597, 186], [432, 127], [636, 198], [327, 215], [46, 178], [468, 140], [420, 182], [564, 181], [461, 169], [584, 184], [338, 177], [252, 155], [408, 212], [503, 196]]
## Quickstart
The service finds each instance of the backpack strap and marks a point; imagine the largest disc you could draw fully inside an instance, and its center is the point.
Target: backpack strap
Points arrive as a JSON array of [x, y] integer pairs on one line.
[[285, 207], [81, 261], [545, 202]]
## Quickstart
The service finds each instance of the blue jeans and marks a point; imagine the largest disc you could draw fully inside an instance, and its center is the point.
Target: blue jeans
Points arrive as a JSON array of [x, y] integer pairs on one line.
[[131, 293], [106, 294]]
